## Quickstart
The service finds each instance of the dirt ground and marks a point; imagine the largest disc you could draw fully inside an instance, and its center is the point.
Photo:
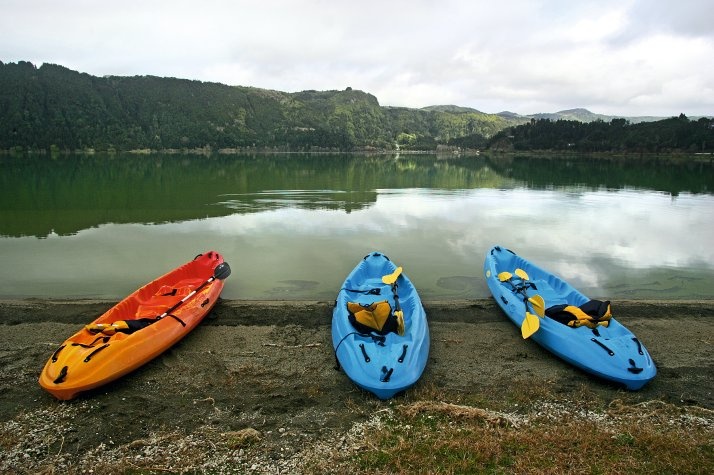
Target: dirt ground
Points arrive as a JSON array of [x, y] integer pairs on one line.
[[268, 367]]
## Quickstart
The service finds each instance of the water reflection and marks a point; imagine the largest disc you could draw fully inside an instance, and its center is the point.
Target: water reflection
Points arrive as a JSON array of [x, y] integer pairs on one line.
[[292, 227], [40, 196], [309, 199]]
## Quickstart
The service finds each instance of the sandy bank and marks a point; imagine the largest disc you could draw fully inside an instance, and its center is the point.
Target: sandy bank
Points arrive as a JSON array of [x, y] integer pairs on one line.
[[269, 366]]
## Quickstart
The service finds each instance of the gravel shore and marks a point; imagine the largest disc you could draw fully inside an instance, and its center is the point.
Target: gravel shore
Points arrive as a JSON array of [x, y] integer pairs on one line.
[[254, 387]]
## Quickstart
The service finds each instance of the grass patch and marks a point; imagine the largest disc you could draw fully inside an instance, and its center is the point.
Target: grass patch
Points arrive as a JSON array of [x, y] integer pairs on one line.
[[436, 437]]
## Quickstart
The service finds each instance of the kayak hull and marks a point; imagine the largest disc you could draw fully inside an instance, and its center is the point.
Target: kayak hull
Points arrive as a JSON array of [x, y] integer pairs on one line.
[[383, 365], [87, 360], [613, 353]]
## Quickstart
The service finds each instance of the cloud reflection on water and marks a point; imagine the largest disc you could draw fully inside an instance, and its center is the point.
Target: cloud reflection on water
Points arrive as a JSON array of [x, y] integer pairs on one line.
[[595, 239], [585, 234]]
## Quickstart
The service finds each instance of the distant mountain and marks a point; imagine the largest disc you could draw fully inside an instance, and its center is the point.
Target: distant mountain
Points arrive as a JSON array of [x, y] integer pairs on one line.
[[453, 109], [511, 115], [579, 114]]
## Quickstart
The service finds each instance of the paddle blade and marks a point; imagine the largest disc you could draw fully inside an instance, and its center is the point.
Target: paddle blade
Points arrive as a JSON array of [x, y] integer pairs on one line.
[[522, 274], [538, 305], [504, 276], [222, 271], [530, 325], [400, 322], [389, 279]]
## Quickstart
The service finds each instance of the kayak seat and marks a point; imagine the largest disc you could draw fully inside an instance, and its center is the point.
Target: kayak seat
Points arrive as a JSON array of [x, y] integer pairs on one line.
[[180, 289], [372, 317], [590, 314], [173, 291], [166, 297], [149, 311], [120, 326], [549, 294]]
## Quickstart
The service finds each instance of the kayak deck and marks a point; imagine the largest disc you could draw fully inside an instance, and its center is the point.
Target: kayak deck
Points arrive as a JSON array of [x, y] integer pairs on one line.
[[383, 364], [169, 308], [611, 352]]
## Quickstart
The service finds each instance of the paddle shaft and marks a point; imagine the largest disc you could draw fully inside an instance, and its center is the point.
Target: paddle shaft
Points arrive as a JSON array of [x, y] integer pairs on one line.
[[398, 307], [526, 298], [183, 300], [222, 271]]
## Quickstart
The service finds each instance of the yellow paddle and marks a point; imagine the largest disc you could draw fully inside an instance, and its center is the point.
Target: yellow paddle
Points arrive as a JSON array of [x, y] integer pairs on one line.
[[390, 279], [400, 321], [538, 305], [530, 324]]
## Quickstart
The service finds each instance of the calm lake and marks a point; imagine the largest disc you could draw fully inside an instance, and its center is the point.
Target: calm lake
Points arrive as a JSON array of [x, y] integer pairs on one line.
[[293, 226]]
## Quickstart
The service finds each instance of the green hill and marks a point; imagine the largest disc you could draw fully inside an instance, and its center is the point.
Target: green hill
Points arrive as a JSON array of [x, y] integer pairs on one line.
[[52, 107], [55, 108]]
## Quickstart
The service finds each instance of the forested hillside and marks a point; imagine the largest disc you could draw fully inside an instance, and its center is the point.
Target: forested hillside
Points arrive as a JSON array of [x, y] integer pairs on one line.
[[677, 134], [54, 107]]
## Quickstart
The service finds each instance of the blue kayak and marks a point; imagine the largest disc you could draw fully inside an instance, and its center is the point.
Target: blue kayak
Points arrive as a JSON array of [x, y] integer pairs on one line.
[[562, 320], [379, 328]]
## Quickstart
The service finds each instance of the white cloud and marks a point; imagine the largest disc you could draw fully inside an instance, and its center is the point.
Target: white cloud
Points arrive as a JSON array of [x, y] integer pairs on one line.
[[630, 57]]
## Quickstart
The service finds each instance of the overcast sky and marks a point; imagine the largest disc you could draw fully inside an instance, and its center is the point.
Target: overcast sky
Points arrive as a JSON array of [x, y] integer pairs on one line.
[[618, 57]]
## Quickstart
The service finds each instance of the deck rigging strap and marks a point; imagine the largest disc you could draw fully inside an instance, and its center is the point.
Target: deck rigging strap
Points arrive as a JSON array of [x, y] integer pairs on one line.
[[404, 354], [367, 359], [62, 374], [386, 374], [91, 345], [56, 353], [603, 346], [379, 339], [183, 324], [633, 367], [89, 357], [639, 345]]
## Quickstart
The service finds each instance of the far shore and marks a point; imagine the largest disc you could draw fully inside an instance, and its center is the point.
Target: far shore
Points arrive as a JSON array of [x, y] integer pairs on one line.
[[676, 156]]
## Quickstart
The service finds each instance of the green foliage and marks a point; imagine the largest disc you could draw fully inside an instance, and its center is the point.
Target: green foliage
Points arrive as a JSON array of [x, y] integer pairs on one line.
[[54, 107], [435, 437], [75, 192], [676, 134]]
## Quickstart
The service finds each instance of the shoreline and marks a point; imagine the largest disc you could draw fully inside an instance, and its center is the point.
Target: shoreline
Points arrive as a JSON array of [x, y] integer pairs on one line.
[[673, 156], [232, 312], [265, 370]]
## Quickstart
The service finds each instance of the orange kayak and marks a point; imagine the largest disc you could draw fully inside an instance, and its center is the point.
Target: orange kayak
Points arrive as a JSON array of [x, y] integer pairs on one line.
[[137, 329]]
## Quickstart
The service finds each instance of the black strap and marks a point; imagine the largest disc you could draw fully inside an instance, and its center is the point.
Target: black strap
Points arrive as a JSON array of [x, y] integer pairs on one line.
[[91, 345], [337, 361], [364, 353], [379, 339], [633, 367], [404, 353], [375, 291], [89, 357], [54, 355], [177, 319], [602, 345], [639, 345], [61, 376]]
